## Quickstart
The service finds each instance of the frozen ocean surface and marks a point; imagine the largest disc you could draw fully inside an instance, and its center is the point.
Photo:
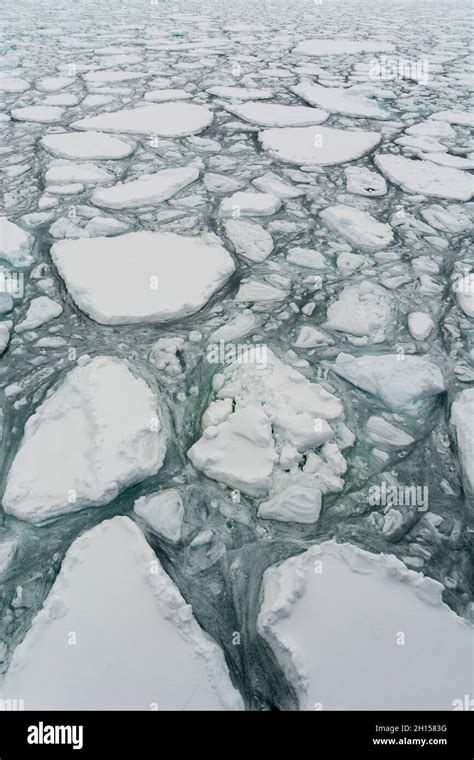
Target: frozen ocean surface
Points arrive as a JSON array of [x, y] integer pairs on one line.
[[237, 354]]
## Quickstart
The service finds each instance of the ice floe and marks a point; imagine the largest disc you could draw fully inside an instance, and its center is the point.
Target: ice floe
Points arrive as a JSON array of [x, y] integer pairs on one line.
[[462, 421], [164, 120], [401, 381], [157, 276], [335, 616], [87, 145], [358, 227], [163, 512], [320, 47], [110, 580], [338, 100], [323, 146], [426, 178], [364, 309], [276, 115], [87, 406], [146, 191], [249, 239], [15, 244]]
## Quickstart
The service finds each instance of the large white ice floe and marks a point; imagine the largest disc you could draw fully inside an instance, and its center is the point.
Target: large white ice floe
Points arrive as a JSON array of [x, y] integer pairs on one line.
[[158, 656], [146, 191], [401, 381], [358, 227], [103, 425], [338, 100], [164, 120], [363, 309], [354, 630], [426, 178], [15, 244], [157, 277], [323, 146], [276, 115], [462, 420], [273, 421], [321, 46], [86, 145]]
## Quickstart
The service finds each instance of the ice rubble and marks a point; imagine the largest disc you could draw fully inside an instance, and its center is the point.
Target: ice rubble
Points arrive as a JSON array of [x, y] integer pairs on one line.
[[358, 227], [102, 443], [323, 146], [462, 420], [338, 100], [354, 630], [147, 191], [163, 512], [402, 381], [256, 443], [15, 244], [363, 309], [276, 115], [426, 178], [158, 656], [249, 239], [157, 276], [87, 145], [164, 120]]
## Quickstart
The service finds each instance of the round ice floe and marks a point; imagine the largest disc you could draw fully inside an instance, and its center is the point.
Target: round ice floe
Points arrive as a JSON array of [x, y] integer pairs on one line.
[[323, 146], [249, 204], [13, 85], [164, 120], [87, 407], [41, 114], [157, 277], [87, 145], [276, 115]]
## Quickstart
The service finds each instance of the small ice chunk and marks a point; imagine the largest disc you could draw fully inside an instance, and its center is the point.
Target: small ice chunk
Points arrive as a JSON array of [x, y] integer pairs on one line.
[[387, 435], [426, 178], [360, 228], [15, 244], [249, 239], [362, 181], [163, 511], [249, 204], [420, 325], [40, 311]]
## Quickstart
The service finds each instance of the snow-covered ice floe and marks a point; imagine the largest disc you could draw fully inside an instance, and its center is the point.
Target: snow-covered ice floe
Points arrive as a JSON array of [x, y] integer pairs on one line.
[[338, 100], [86, 145], [149, 190], [139, 646], [165, 120], [87, 407], [275, 115], [324, 146], [157, 276], [354, 630], [426, 178]]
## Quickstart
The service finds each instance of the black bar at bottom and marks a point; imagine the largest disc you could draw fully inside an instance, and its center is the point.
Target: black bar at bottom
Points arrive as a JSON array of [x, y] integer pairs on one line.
[[110, 734]]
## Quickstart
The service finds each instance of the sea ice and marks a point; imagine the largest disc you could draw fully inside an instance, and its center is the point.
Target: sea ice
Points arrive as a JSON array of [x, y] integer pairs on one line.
[[164, 120], [323, 146], [146, 191]]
